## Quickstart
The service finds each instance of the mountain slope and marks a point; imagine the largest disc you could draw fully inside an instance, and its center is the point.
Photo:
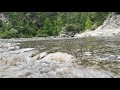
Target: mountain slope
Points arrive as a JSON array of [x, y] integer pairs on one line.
[[110, 28]]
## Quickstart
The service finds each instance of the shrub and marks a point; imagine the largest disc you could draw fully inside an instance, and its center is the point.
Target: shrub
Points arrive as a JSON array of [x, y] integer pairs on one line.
[[32, 31], [4, 35], [71, 27], [42, 33], [13, 31], [1, 24], [94, 27], [88, 24]]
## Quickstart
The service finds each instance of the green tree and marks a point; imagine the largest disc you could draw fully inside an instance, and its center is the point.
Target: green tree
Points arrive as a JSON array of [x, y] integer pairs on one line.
[[71, 27], [88, 24], [48, 27], [13, 32], [7, 26], [50, 23], [57, 26]]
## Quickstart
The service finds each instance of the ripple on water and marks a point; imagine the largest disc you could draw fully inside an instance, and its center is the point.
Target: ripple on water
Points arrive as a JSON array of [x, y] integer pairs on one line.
[[104, 48]]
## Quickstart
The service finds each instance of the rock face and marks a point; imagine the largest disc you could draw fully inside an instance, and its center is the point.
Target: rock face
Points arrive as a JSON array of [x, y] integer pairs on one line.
[[110, 28], [2, 17], [113, 23], [29, 63]]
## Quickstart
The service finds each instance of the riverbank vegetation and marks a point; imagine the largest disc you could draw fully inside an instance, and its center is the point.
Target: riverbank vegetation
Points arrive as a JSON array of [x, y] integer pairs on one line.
[[43, 24]]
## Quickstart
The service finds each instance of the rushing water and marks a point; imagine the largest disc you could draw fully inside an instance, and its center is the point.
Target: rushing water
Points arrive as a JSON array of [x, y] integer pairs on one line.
[[100, 53], [103, 48]]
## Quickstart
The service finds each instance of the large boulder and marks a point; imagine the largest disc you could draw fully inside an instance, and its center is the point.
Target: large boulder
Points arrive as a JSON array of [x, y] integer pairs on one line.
[[59, 57]]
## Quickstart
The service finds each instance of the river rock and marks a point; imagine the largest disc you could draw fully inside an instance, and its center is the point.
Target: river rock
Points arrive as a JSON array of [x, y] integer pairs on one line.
[[87, 53], [41, 55], [60, 57]]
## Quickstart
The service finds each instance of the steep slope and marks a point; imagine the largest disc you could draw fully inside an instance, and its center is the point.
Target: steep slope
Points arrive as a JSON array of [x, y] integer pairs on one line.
[[113, 22], [110, 28]]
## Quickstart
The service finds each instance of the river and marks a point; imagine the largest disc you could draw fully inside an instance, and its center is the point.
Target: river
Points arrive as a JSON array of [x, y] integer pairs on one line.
[[98, 53]]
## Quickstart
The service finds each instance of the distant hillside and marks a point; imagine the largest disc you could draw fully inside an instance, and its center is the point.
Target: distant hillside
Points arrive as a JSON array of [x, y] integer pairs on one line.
[[44, 24]]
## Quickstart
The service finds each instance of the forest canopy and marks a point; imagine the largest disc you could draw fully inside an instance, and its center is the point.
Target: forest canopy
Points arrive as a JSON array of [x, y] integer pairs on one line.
[[43, 24]]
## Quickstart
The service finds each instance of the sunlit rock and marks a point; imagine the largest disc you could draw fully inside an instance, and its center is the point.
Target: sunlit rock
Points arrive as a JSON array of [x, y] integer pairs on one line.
[[59, 57]]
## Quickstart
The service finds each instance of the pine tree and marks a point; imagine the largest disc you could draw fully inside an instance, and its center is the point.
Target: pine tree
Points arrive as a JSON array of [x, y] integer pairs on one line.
[[57, 26], [7, 26], [88, 24], [48, 27]]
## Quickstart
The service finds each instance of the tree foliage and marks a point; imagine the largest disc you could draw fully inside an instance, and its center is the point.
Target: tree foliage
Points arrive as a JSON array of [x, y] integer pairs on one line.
[[88, 23], [32, 24]]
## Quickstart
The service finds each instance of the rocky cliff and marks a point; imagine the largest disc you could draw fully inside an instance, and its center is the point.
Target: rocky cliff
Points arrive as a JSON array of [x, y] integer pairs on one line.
[[113, 22], [2, 17], [110, 28]]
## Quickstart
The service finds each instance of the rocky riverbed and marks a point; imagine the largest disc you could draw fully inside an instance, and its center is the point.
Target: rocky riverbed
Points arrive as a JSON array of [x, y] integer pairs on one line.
[[63, 58]]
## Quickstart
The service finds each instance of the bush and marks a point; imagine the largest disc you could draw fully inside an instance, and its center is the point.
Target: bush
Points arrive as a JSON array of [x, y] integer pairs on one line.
[[42, 33], [32, 31], [4, 35], [1, 24], [88, 24], [13, 31], [1, 34], [94, 27], [71, 27]]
